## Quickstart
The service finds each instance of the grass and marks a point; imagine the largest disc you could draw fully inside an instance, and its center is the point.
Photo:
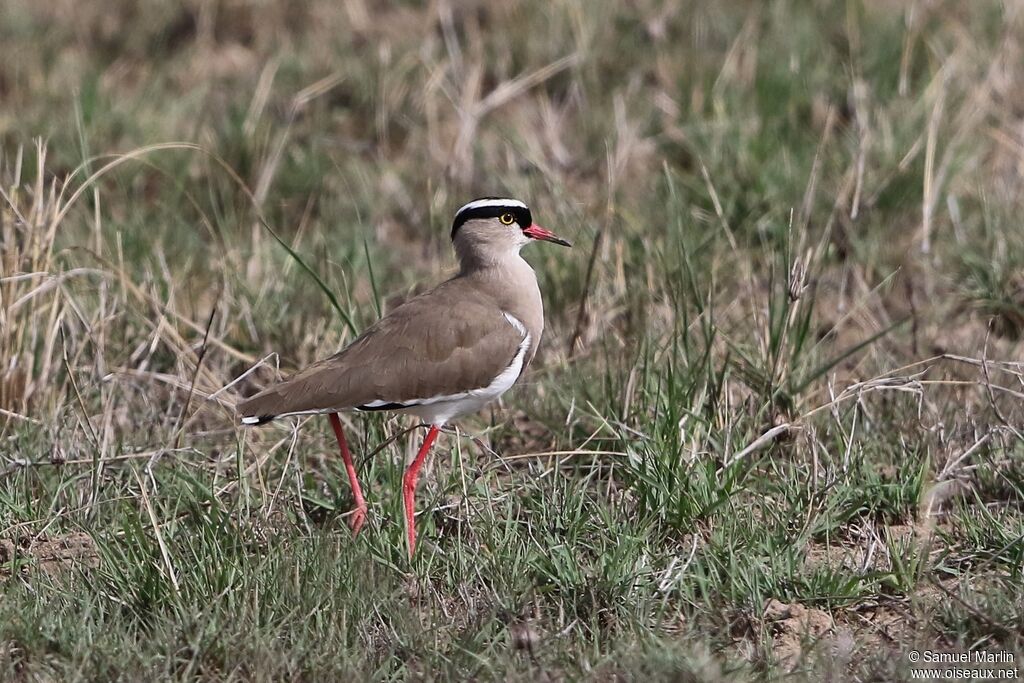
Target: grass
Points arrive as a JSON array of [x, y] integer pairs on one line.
[[774, 428]]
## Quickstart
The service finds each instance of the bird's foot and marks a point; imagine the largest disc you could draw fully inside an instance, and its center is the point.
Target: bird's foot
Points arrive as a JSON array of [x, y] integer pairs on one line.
[[357, 518]]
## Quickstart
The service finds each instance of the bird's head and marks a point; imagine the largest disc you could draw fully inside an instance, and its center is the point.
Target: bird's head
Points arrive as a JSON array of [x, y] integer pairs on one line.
[[491, 228]]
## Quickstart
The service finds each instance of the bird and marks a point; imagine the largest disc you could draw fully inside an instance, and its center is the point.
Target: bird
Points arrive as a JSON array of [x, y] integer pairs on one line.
[[439, 356]]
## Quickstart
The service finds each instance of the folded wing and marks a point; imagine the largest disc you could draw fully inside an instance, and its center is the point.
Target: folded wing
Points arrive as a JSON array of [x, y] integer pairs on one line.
[[426, 348]]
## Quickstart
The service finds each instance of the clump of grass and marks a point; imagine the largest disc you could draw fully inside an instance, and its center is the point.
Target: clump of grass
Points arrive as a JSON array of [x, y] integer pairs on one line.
[[29, 309], [992, 277]]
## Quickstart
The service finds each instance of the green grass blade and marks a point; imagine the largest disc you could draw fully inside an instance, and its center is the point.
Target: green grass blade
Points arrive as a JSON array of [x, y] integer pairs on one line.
[[828, 365], [345, 317]]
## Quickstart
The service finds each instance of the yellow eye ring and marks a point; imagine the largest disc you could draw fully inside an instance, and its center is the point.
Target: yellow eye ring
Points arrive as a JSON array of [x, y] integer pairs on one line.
[[507, 219]]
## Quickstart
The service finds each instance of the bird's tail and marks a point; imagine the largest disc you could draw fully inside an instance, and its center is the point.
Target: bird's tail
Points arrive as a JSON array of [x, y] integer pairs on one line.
[[259, 408]]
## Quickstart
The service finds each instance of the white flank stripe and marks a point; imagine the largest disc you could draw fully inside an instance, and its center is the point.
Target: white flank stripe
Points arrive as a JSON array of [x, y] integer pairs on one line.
[[516, 323], [510, 374], [250, 420], [378, 403]]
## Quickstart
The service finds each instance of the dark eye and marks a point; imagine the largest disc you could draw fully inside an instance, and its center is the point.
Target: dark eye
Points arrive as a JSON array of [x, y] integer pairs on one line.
[[507, 218]]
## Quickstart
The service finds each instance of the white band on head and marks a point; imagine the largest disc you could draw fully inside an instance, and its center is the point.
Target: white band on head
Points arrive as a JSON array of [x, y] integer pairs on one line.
[[482, 203]]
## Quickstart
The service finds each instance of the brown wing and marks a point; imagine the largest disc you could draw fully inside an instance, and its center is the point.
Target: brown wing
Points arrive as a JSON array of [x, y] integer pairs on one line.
[[428, 346]]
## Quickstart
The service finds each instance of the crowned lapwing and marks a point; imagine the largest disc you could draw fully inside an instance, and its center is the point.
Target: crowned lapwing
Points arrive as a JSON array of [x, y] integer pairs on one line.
[[438, 356]]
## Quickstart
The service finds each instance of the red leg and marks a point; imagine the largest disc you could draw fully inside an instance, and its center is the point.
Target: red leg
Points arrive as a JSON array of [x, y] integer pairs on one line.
[[359, 513], [409, 486]]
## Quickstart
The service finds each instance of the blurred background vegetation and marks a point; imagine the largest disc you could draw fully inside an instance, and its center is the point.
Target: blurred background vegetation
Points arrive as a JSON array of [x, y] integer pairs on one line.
[[774, 426]]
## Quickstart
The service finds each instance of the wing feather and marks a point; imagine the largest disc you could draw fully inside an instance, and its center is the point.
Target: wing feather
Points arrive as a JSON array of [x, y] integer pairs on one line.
[[427, 347]]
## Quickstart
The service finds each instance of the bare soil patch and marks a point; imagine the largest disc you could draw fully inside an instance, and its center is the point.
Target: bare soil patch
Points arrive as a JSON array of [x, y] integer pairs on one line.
[[53, 556]]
